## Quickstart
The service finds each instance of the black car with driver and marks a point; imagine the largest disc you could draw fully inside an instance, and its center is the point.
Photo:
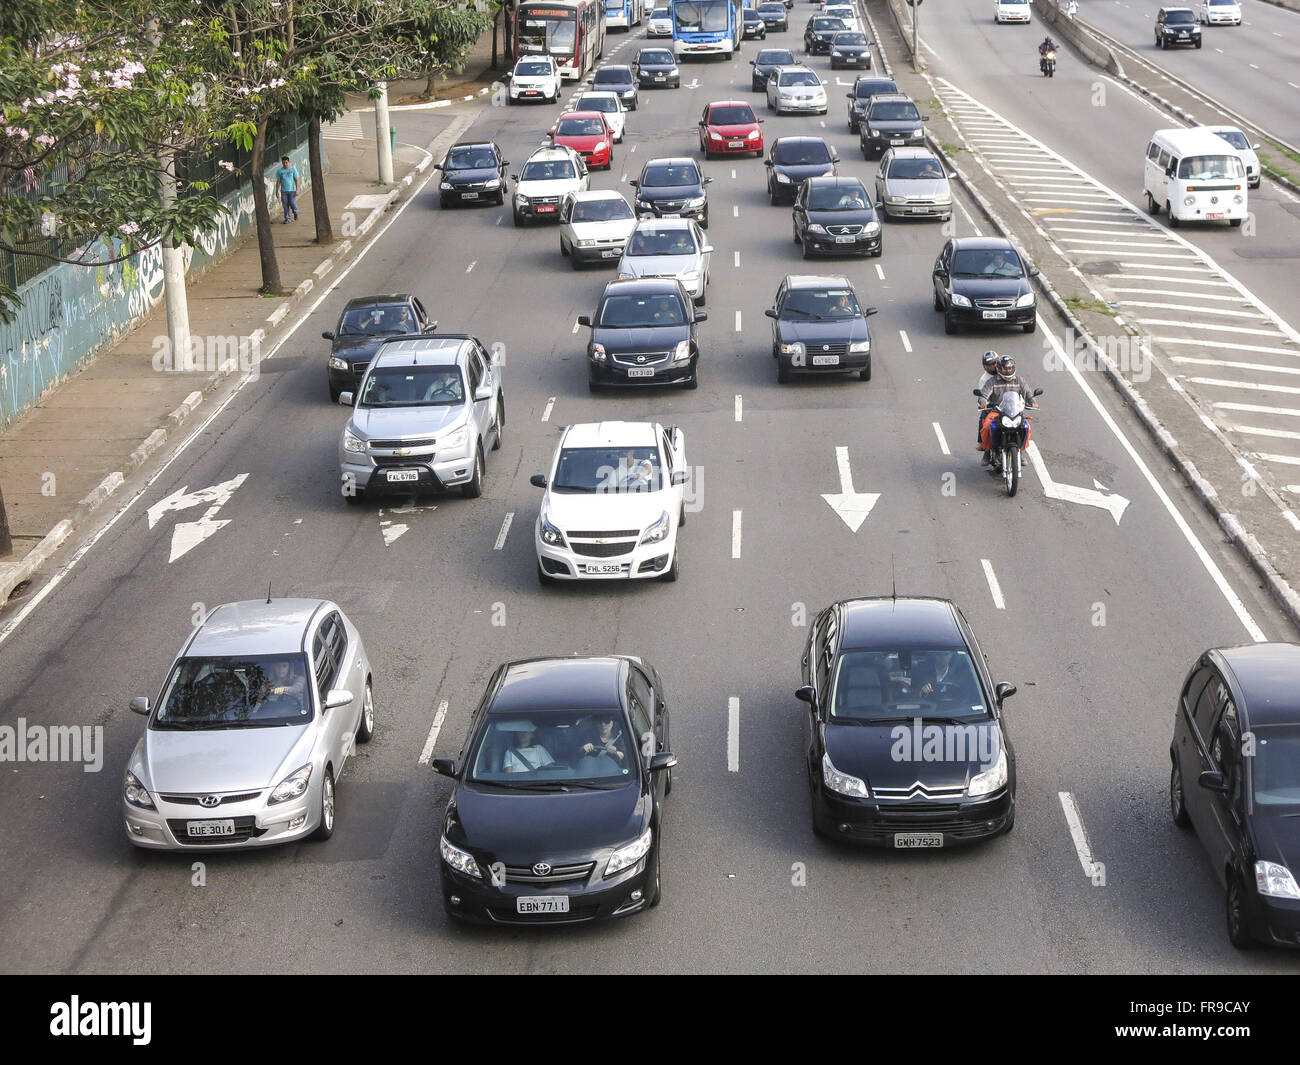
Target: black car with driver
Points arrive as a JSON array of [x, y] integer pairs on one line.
[[643, 333], [472, 172], [792, 160], [672, 188], [819, 327], [364, 324], [835, 216], [864, 88], [984, 281]]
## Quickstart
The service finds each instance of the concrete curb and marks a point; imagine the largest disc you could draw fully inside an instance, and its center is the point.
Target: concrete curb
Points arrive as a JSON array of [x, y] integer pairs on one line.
[[16, 573]]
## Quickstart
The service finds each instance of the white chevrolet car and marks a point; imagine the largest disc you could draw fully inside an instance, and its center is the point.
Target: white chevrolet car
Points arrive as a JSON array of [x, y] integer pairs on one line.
[[535, 77], [1011, 11], [615, 498]]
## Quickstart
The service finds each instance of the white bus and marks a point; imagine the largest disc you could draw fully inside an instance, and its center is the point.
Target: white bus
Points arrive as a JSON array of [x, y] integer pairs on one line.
[[1195, 176]]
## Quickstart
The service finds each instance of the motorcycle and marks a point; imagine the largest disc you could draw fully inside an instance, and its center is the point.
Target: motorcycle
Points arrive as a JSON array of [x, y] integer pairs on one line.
[[1009, 434], [1047, 63]]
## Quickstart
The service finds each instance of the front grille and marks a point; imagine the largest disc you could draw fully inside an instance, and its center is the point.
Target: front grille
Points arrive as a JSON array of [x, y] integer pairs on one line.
[[843, 231], [534, 201], [389, 445], [598, 534], [193, 800], [244, 830], [995, 304], [558, 874], [827, 349], [670, 205], [640, 358], [603, 550]]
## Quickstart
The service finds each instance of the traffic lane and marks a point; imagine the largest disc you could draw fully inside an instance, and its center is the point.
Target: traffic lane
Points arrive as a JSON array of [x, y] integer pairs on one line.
[[1112, 148]]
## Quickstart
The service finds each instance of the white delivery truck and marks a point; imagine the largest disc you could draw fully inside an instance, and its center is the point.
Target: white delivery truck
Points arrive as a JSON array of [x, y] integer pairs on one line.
[[1195, 176]]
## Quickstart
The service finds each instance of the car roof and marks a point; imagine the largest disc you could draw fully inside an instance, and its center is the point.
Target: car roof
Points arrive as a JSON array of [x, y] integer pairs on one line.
[[874, 77], [790, 68], [577, 683], [1268, 677], [607, 94], [611, 434], [671, 160], [473, 144], [788, 51], [983, 242], [834, 180], [913, 152], [581, 114], [430, 349], [256, 627], [730, 103], [662, 225], [621, 68], [637, 285], [793, 281], [363, 301], [886, 622], [587, 195], [551, 152], [891, 97]]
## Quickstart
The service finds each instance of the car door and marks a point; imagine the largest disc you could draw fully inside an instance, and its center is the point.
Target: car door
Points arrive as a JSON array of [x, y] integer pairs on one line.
[[640, 707], [941, 268], [799, 209], [327, 664], [704, 129], [566, 221], [1198, 800], [476, 370], [882, 177], [1229, 841], [777, 305], [703, 248], [674, 460]]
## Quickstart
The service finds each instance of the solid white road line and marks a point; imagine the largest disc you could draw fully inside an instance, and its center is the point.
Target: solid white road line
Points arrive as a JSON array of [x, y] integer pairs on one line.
[[575, 325], [1251, 386], [505, 529], [1259, 430], [1196, 309], [737, 321], [880, 272], [1256, 408], [1202, 342], [1174, 292], [1209, 325], [737, 260], [1168, 279], [735, 534], [427, 752], [735, 210], [1080, 837], [733, 735], [740, 407], [994, 587], [546, 414], [1286, 460], [907, 344], [470, 268], [943, 443]]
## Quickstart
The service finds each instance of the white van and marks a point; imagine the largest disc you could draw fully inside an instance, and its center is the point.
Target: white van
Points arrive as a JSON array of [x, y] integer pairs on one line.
[[1195, 176]]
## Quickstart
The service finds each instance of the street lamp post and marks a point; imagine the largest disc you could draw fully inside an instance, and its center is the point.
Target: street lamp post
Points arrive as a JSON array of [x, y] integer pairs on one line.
[[915, 5]]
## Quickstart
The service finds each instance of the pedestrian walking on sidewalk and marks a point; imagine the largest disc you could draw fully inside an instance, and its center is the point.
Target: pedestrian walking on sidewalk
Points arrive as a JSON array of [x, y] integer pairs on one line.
[[289, 180], [1072, 8]]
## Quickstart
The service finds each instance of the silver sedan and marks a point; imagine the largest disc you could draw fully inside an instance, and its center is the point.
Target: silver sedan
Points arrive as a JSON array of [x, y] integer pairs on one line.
[[255, 722], [795, 89], [913, 183]]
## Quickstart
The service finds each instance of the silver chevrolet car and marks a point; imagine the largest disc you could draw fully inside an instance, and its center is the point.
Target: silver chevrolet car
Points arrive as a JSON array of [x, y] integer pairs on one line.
[[251, 731], [427, 410]]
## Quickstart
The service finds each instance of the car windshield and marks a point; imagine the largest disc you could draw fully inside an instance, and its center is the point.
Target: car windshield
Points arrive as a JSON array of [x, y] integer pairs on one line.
[[986, 262], [613, 76], [825, 22], [837, 198], [597, 103], [849, 38], [548, 170], [771, 9], [669, 175], [801, 153], [412, 386], [915, 170], [773, 58], [705, 15], [873, 687], [661, 242], [554, 750], [820, 303], [470, 159], [798, 77], [895, 111], [659, 12], [656, 58], [382, 319], [1234, 137], [579, 127], [1275, 767], [750, 15], [533, 69], [865, 89], [735, 115], [839, 12], [610, 210], [608, 469], [625, 311], [1209, 168], [248, 691], [1180, 16]]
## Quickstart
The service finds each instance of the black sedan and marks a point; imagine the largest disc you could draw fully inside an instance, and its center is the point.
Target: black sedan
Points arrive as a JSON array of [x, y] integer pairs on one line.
[[672, 188], [643, 334], [851, 50], [754, 27], [818, 327], [1235, 778], [556, 813], [792, 160], [983, 281], [819, 31], [864, 88], [904, 740], [656, 68], [472, 172], [888, 122], [366, 322], [767, 60], [835, 216], [774, 16]]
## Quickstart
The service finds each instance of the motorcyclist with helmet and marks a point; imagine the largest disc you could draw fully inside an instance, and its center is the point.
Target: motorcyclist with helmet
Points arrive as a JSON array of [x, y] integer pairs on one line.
[[1048, 45], [990, 363], [1006, 380]]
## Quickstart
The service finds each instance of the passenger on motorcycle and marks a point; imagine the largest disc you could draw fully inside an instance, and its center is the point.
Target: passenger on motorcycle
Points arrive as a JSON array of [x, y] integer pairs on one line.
[[990, 364], [991, 396]]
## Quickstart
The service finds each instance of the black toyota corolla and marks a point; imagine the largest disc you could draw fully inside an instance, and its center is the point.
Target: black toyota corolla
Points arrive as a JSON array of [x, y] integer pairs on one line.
[[556, 813], [904, 740]]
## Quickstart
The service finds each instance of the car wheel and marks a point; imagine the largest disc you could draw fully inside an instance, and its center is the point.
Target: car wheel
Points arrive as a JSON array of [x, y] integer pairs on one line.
[[782, 372], [1235, 914], [694, 382], [949, 324], [442, 202], [1153, 207], [699, 300], [681, 517], [1030, 326], [544, 578], [593, 385], [938, 303], [673, 571], [327, 811], [1234, 222], [475, 487], [354, 497], [498, 424], [880, 250], [653, 899], [803, 249], [1177, 807], [366, 726], [335, 393], [519, 219], [865, 373], [1174, 222], [795, 230], [704, 220], [668, 782], [564, 248]]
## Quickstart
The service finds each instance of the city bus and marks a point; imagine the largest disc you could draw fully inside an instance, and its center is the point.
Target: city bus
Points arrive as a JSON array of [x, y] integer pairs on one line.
[[571, 30], [624, 14], [707, 27]]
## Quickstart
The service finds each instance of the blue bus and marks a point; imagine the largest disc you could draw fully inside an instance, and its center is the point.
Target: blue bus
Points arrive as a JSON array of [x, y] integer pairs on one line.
[[624, 14], [707, 27]]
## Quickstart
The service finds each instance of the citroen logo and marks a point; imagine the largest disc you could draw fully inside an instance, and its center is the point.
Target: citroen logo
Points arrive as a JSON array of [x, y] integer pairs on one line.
[[542, 868], [210, 801]]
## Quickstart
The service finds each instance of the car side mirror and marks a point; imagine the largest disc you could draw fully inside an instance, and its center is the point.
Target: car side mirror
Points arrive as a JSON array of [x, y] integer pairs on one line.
[[706, 249], [482, 393], [768, 162], [634, 183], [444, 766], [807, 694], [537, 480], [925, 118], [337, 697], [975, 392], [1037, 392], [1212, 780], [770, 312], [835, 158], [848, 96], [678, 477], [1033, 271], [504, 163], [327, 336], [140, 705], [707, 181], [761, 121], [550, 133], [1003, 691], [751, 62], [661, 760], [584, 319], [346, 400], [1254, 147], [701, 316], [507, 75], [514, 177]]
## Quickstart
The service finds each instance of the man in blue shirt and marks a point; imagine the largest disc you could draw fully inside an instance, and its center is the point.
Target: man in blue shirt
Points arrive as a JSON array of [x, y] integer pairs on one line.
[[287, 176]]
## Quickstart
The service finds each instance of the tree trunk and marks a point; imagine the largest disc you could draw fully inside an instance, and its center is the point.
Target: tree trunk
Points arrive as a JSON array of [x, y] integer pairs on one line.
[[6, 542], [428, 83], [320, 207], [265, 240], [496, 21], [510, 34]]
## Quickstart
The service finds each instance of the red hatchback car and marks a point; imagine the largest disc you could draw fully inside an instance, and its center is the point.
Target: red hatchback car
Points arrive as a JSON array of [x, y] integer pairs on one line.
[[588, 134], [730, 127]]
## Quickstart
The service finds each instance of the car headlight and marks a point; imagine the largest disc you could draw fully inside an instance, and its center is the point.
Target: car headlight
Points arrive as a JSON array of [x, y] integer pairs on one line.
[[682, 351], [135, 793], [991, 779], [645, 205], [714, 135], [338, 364], [600, 146], [914, 133], [794, 348], [551, 533], [291, 786], [353, 443], [1239, 198], [446, 186], [689, 277], [697, 201], [492, 183], [1188, 201], [1275, 881], [958, 300], [1027, 300], [658, 532], [753, 135], [895, 199], [838, 55], [783, 179], [814, 227], [521, 199], [586, 243], [461, 861], [455, 441], [631, 853], [871, 228], [860, 346], [598, 352], [842, 782]]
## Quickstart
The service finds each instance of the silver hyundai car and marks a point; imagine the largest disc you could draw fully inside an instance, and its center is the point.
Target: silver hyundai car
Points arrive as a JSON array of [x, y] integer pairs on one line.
[[253, 727]]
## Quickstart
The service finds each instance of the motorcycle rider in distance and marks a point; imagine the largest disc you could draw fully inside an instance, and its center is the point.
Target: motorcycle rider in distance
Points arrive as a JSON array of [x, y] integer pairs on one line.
[[1048, 45], [991, 395], [990, 364]]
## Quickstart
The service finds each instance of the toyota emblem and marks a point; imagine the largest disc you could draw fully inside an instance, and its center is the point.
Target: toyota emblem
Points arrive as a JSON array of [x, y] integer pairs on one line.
[[542, 868], [210, 801]]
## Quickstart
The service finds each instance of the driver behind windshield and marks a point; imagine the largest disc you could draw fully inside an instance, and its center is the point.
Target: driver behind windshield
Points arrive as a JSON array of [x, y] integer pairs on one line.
[[604, 746], [284, 686]]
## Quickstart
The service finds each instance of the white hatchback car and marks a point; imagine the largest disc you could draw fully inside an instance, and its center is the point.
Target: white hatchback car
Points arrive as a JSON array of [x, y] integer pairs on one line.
[[660, 23], [594, 226], [1245, 151], [607, 103], [669, 247], [535, 77], [1220, 12], [844, 12], [1011, 11], [549, 175], [615, 499], [795, 89]]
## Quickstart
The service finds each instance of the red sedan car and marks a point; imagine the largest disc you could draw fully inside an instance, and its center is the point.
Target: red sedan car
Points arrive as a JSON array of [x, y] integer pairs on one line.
[[588, 134], [730, 127]]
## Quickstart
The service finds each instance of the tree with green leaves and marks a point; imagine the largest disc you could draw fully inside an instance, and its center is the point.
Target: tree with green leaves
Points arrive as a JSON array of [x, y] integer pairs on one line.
[[441, 40]]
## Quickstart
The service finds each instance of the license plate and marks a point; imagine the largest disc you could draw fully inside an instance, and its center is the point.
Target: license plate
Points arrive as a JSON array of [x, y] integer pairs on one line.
[[612, 253], [604, 567], [735, 144], [469, 195], [542, 904], [644, 371], [701, 47], [546, 208], [210, 828], [532, 92], [845, 240], [675, 214], [825, 360], [403, 475], [1214, 214], [995, 314], [910, 840], [895, 140], [920, 210]]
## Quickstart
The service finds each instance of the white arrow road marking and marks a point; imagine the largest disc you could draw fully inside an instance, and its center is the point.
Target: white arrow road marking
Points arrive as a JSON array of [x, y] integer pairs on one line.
[[393, 530], [1112, 502], [852, 506], [694, 84], [187, 535]]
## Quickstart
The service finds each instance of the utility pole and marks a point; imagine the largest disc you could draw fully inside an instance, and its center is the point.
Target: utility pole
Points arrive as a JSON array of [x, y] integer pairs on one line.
[[383, 136], [915, 5], [6, 542]]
